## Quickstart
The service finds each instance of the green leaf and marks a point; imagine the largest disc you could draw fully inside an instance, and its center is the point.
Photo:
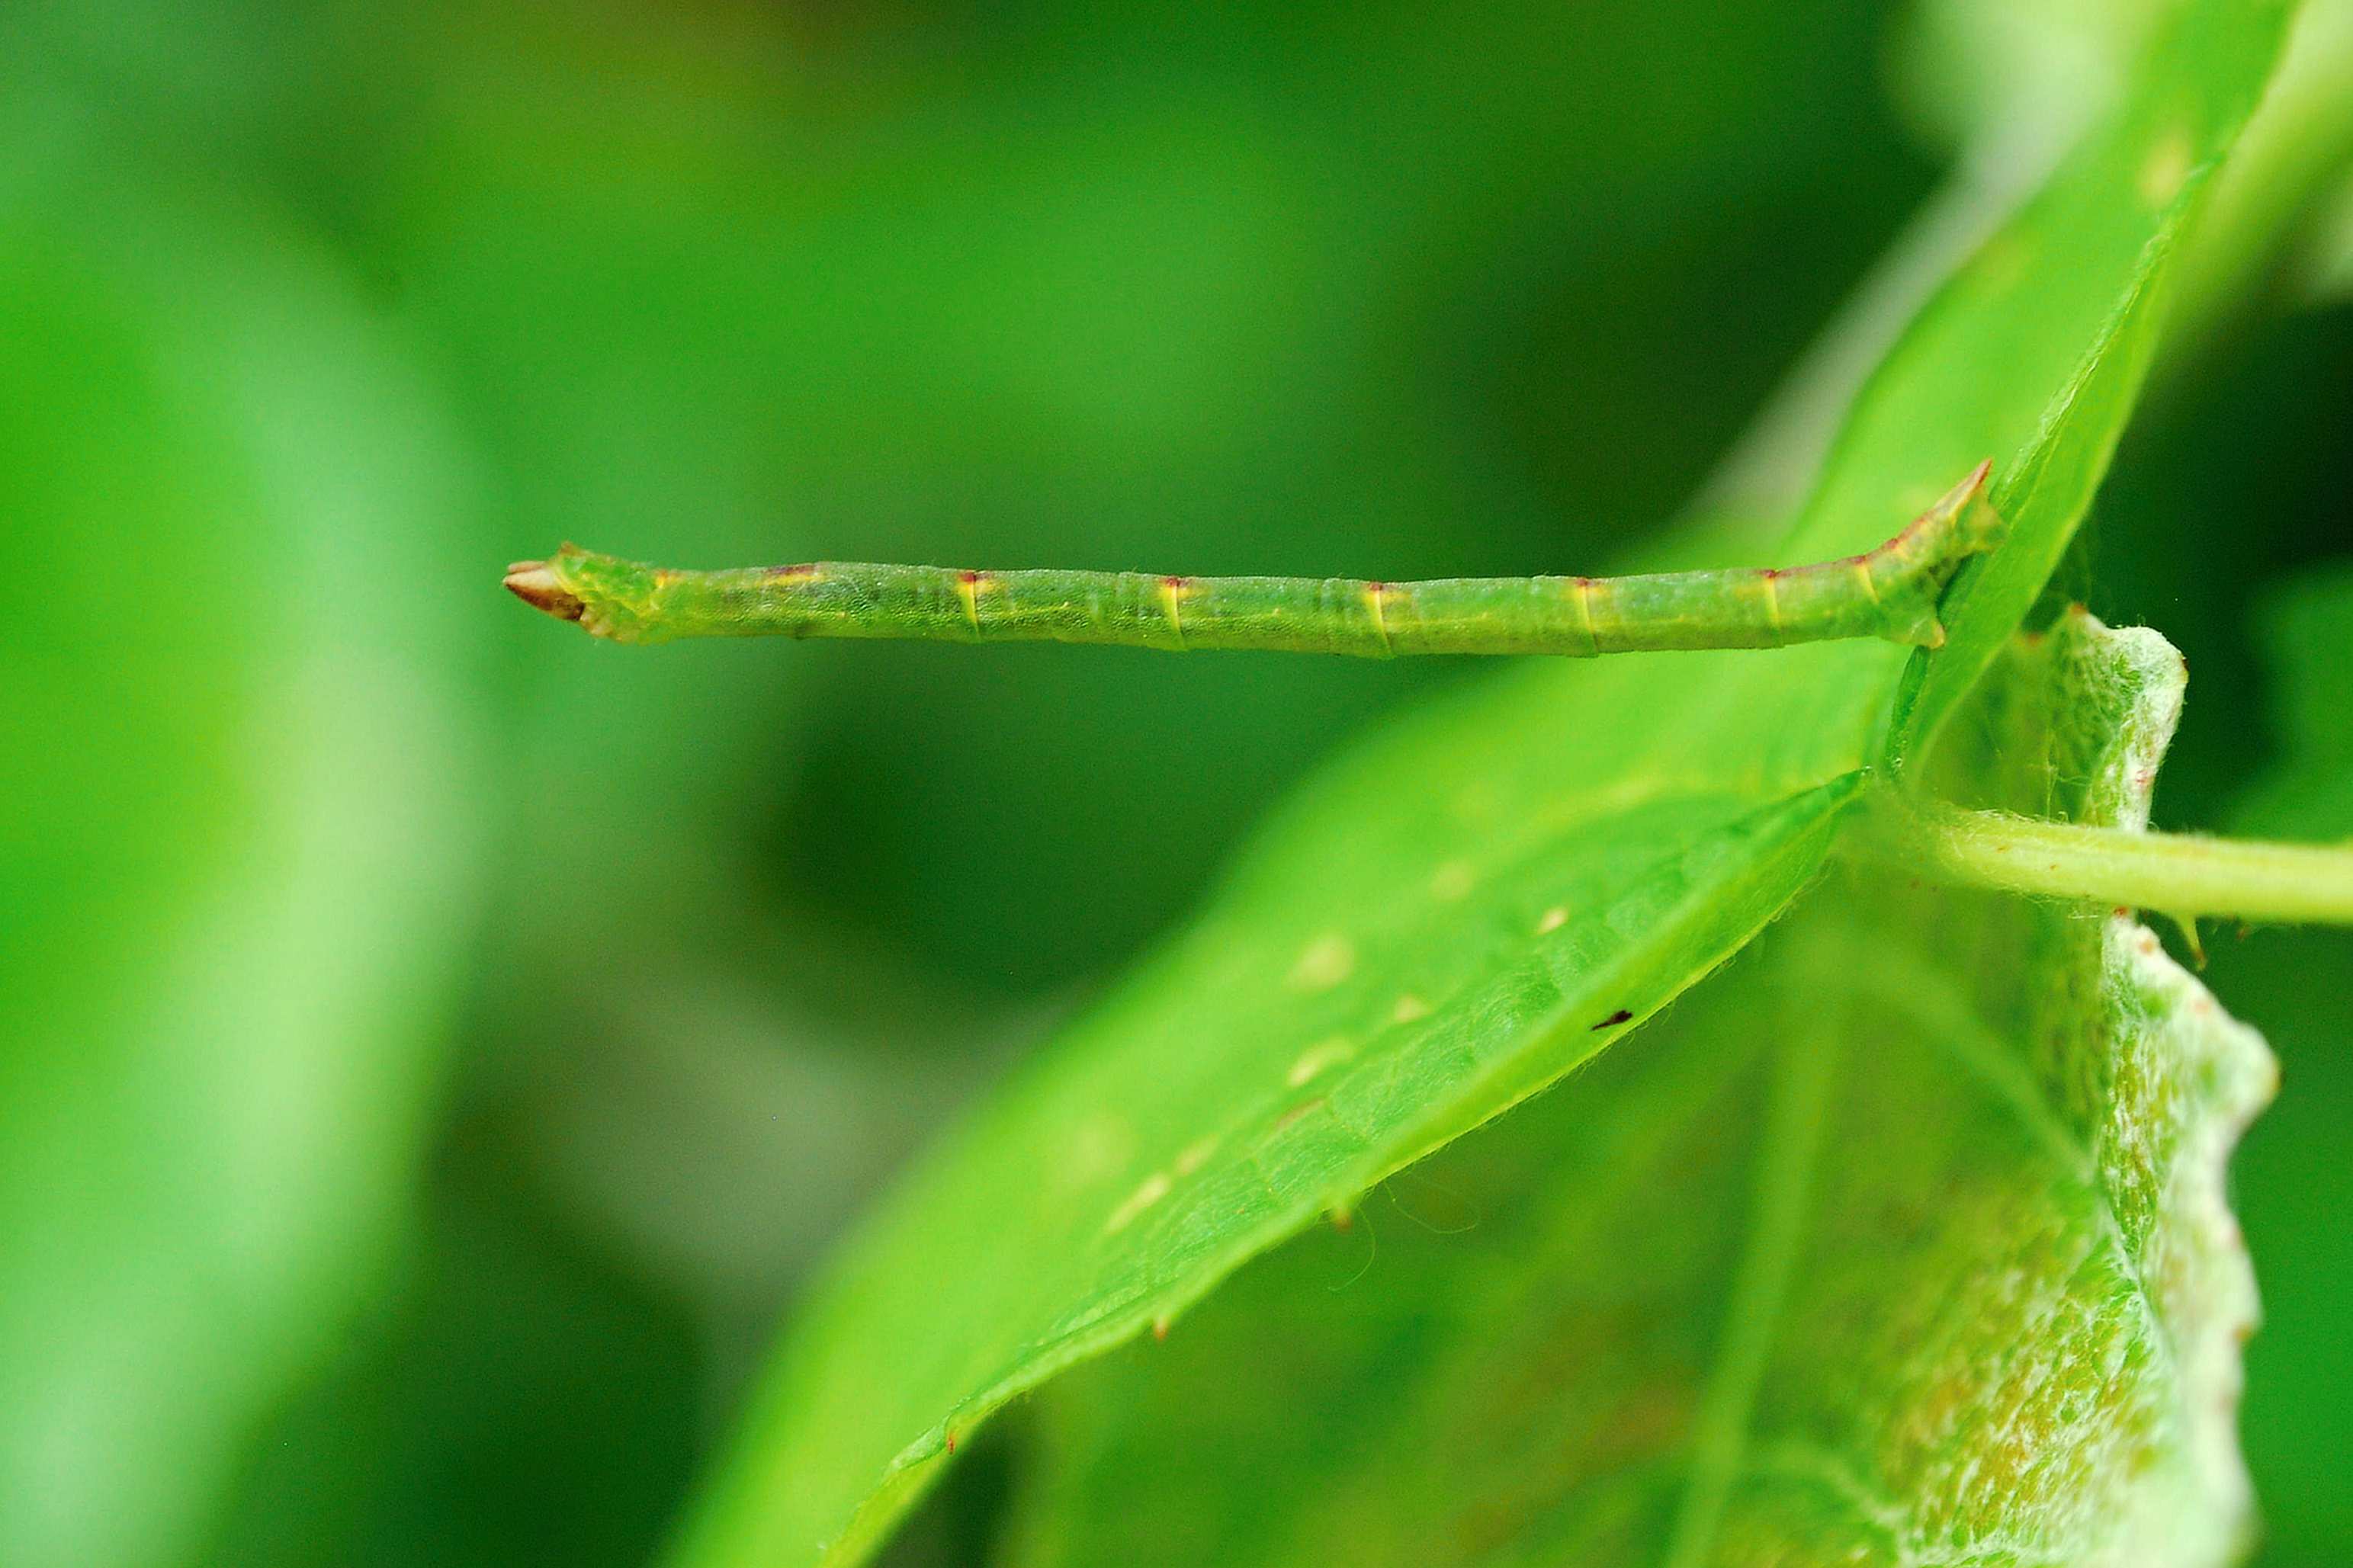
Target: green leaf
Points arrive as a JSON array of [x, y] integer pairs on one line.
[[1901, 1240], [2156, 155], [235, 813], [2309, 792], [1479, 897]]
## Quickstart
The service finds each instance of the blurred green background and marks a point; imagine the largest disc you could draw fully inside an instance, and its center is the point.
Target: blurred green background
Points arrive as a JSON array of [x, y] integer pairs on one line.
[[434, 1048]]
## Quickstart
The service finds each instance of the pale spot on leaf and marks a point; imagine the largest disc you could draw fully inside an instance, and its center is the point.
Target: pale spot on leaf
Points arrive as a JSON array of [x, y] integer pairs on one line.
[[1327, 960], [1552, 921], [2166, 167], [1154, 1188], [1194, 1155], [1305, 1108], [1452, 880], [1409, 1007], [1098, 1147], [1318, 1058]]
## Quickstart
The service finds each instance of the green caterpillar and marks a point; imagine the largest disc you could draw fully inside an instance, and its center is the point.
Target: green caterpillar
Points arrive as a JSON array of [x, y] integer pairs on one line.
[[1891, 591]]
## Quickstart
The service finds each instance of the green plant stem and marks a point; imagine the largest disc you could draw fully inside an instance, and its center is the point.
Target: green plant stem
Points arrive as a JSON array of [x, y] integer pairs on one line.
[[2182, 875]]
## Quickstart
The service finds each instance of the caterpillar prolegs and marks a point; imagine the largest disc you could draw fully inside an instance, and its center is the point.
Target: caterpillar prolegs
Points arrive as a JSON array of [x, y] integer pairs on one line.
[[1890, 592]]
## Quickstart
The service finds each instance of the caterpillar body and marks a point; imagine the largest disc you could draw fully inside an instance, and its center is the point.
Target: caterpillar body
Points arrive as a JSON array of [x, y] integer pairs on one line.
[[1890, 592]]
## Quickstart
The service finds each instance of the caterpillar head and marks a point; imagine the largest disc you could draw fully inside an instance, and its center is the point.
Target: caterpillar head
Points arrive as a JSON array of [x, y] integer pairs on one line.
[[609, 597]]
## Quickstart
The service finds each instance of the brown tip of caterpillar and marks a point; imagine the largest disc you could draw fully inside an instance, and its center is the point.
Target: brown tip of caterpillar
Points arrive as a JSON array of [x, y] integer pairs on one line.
[[536, 586]]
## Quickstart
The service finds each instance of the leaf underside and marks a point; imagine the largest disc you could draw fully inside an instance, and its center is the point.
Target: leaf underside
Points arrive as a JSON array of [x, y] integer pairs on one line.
[[1482, 896], [1901, 1241]]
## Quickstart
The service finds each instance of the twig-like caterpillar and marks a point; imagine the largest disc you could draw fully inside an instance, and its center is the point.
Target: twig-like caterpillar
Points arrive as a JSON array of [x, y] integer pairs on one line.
[[1891, 591]]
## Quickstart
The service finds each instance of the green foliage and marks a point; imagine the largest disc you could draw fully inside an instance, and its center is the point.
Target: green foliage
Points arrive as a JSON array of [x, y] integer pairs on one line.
[[1471, 904], [1900, 1239], [437, 1051], [234, 845]]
